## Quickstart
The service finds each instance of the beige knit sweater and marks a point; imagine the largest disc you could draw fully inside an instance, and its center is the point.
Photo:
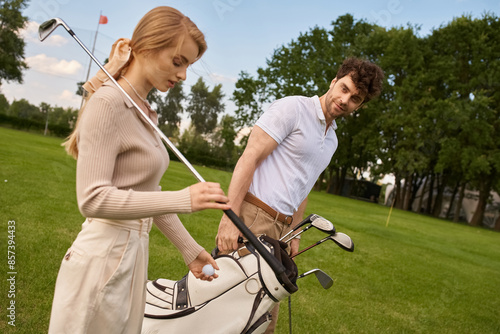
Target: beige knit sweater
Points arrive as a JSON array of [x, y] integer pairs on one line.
[[120, 163]]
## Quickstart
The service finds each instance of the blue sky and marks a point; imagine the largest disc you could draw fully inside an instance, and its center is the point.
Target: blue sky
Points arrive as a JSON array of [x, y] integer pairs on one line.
[[240, 34]]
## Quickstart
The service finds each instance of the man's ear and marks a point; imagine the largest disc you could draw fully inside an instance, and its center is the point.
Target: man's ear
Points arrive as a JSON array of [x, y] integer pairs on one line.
[[333, 82]]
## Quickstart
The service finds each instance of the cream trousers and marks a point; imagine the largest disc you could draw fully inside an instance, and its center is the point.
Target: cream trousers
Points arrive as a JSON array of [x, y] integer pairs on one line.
[[100, 287]]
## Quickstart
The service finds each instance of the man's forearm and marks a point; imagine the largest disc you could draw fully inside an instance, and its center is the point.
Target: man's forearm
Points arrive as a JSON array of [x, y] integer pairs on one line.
[[240, 183]]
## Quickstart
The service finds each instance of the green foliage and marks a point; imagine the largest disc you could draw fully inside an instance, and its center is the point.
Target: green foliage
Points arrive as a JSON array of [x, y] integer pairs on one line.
[[203, 150], [11, 44], [169, 108], [24, 109], [249, 97], [4, 105], [24, 116], [205, 106], [79, 88]]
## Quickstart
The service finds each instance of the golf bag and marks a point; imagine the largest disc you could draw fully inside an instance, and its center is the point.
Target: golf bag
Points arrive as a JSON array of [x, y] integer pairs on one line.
[[238, 301]]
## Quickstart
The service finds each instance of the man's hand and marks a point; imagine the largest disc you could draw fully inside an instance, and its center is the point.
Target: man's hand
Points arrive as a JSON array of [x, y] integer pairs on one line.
[[196, 267], [227, 236]]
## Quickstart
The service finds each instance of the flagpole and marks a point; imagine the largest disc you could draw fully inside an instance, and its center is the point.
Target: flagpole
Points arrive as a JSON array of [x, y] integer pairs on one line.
[[93, 49]]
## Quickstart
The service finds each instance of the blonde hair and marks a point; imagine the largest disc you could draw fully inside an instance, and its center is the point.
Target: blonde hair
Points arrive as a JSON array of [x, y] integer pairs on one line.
[[162, 27]]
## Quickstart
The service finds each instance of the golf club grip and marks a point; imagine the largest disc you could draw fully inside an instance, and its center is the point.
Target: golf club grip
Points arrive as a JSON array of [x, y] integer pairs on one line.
[[275, 265]]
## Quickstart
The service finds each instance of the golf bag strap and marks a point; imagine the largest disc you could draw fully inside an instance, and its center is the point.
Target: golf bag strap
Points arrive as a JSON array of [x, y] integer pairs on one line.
[[256, 302], [182, 294], [266, 317]]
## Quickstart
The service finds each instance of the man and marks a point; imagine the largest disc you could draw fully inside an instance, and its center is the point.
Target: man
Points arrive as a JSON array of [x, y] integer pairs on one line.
[[289, 147]]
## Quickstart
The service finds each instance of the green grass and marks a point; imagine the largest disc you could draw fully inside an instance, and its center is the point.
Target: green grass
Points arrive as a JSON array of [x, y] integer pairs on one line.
[[416, 275]]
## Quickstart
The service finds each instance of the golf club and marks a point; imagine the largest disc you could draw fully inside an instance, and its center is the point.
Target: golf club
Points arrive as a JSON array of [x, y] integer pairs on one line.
[[320, 223], [323, 278], [341, 239], [48, 27], [308, 220]]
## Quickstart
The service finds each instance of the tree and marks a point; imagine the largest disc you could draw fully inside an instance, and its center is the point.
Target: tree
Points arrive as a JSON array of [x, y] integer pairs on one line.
[[63, 117], [4, 104], [205, 106], [467, 55], [169, 108], [223, 141], [23, 109], [11, 44]]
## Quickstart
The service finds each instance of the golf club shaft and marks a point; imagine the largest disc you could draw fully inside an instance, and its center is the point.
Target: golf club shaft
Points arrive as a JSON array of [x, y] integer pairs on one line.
[[302, 223], [313, 245], [296, 235], [275, 265]]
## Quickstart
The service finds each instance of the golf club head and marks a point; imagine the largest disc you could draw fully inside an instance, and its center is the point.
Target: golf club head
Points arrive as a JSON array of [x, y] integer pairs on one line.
[[323, 225], [313, 220], [324, 279], [49, 26], [343, 241]]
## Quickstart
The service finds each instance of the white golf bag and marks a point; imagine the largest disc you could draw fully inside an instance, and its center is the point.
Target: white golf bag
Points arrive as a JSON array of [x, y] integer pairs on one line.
[[238, 301]]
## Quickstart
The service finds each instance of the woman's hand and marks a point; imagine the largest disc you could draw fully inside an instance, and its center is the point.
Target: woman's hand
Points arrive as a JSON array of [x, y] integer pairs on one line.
[[208, 195], [197, 265]]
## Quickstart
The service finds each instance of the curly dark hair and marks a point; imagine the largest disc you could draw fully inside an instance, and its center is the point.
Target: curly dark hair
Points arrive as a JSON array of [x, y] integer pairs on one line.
[[367, 76]]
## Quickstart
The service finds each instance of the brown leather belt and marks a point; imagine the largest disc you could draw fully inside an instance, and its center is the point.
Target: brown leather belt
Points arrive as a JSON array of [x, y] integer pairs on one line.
[[273, 213]]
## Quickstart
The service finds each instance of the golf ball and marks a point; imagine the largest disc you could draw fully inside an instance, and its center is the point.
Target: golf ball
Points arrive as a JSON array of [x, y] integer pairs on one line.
[[208, 270]]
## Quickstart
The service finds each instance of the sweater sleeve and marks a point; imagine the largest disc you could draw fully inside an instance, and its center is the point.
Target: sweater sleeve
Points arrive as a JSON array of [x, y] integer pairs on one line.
[[171, 226], [99, 145]]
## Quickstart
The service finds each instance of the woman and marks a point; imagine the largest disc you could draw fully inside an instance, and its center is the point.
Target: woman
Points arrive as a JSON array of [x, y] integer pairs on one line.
[[120, 161]]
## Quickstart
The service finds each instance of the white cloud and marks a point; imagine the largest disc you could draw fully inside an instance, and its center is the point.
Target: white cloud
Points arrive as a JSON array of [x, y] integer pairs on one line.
[[55, 40], [30, 33], [68, 97], [53, 66], [220, 78]]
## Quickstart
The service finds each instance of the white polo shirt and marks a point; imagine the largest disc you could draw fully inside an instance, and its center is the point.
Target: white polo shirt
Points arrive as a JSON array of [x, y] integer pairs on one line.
[[287, 175]]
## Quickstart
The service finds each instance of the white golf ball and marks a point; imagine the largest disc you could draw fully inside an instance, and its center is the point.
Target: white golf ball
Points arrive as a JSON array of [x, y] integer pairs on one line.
[[208, 270]]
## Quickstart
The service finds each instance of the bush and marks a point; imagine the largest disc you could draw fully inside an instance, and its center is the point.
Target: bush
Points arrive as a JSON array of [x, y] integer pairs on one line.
[[36, 126]]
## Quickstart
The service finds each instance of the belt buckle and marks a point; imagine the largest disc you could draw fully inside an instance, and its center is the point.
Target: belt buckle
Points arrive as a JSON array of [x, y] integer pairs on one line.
[[286, 220]]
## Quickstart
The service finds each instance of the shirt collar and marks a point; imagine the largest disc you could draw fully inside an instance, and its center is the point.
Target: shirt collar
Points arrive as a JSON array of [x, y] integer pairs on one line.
[[320, 114], [151, 112]]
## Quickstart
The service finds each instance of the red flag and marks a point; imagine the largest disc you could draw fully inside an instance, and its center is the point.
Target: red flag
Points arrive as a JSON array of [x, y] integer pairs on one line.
[[103, 19]]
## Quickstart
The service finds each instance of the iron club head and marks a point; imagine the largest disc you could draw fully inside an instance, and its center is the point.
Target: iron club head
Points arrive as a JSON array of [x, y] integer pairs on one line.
[[49, 26], [323, 278]]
